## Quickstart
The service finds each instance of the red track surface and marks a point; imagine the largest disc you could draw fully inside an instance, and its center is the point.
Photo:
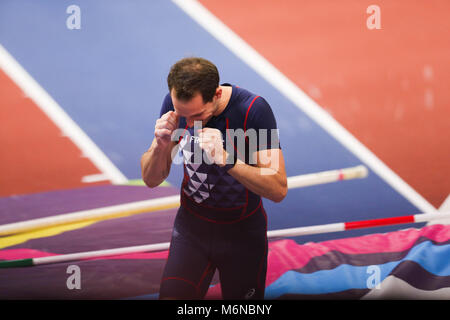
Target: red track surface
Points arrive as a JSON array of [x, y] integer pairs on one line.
[[34, 157], [388, 87]]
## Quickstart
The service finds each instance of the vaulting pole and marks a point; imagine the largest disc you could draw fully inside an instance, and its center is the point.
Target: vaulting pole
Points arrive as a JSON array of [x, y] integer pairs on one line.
[[168, 202], [290, 232]]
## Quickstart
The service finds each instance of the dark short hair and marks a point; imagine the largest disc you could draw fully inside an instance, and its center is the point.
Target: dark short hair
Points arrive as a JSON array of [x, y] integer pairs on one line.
[[192, 75]]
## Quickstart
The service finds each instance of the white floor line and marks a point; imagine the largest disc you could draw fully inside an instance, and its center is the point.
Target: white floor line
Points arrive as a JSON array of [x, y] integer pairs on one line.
[[266, 70], [445, 207], [51, 108], [94, 178]]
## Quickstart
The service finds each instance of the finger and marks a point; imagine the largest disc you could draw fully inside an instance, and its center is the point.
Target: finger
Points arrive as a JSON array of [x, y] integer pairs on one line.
[[205, 131], [161, 125], [173, 116], [205, 146], [202, 145], [171, 121], [176, 122], [166, 124], [212, 133], [163, 133], [205, 141], [208, 135]]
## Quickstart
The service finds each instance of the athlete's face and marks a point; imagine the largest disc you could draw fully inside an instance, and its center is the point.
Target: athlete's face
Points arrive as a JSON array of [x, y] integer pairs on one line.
[[195, 109]]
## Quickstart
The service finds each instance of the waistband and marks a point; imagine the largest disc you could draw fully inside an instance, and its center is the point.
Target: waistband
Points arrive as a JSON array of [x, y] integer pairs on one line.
[[217, 214]]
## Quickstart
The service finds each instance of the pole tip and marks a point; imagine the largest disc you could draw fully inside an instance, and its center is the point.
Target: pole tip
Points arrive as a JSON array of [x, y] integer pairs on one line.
[[16, 263]]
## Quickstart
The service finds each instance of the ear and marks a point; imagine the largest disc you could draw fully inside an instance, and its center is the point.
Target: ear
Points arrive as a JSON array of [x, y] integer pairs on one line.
[[218, 92]]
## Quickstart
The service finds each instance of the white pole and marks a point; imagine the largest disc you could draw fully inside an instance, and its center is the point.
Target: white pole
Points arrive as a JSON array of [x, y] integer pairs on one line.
[[169, 202], [290, 232], [101, 253], [112, 211], [327, 177], [301, 231]]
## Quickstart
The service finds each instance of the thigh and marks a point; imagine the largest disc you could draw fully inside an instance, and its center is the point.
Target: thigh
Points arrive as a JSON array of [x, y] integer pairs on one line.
[[244, 267], [244, 277], [188, 271]]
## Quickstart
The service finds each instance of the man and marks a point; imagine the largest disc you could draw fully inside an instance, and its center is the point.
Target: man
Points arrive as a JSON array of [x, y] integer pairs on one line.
[[221, 223]]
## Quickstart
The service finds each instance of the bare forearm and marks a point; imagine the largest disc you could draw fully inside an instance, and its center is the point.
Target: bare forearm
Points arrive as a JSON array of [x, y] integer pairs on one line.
[[265, 182], [155, 164]]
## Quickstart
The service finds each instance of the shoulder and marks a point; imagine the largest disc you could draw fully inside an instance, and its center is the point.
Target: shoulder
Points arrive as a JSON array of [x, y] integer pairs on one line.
[[252, 109], [260, 114], [167, 102], [167, 105], [243, 101], [259, 106], [249, 101]]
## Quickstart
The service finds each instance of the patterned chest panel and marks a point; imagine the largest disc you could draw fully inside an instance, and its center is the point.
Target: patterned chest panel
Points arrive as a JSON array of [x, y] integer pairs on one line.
[[208, 184]]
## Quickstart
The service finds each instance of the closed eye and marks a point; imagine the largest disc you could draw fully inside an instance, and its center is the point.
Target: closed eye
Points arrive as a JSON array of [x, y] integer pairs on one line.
[[197, 115]]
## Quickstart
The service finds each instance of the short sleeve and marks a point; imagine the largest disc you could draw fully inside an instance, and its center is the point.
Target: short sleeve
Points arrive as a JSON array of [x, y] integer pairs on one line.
[[167, 105], [262, 119]]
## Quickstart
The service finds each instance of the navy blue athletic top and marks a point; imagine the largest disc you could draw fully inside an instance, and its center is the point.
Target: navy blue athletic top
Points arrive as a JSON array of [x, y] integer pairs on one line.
[[208, 186]]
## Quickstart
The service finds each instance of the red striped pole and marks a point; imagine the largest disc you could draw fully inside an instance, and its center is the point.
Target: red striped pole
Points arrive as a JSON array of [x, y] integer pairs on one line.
[[378, 222], [343, 226], [292, 232]]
